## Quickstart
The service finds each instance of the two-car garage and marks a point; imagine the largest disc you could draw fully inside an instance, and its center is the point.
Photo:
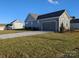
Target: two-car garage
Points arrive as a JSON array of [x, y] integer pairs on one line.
[[49, 26]]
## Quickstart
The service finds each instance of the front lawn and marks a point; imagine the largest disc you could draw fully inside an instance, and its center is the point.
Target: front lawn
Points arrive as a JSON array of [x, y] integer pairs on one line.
[[10, 31], [7, 31], [45, 45]]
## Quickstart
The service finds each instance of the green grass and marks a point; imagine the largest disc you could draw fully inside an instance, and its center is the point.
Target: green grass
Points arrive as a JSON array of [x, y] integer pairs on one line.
[[45, 45], [11, 31], [7, 31]]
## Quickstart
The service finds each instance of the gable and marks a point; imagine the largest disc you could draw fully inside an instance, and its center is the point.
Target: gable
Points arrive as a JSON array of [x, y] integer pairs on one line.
[[65, 16], [65, 20], [31, 17]]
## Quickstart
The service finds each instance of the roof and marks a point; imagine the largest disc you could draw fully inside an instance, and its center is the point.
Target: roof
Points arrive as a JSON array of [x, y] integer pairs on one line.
[[53, 14], [16, 21], [35, 16], [74, 21], [73, 17]]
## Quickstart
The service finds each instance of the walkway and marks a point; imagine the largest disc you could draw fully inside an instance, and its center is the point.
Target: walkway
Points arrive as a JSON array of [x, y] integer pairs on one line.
[[14, 35]]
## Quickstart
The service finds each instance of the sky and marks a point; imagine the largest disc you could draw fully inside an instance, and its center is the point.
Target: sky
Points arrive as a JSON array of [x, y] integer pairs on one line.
[[19, 9]]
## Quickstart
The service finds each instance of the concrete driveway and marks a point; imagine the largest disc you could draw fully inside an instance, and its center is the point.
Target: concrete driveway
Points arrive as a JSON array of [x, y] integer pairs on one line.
[[14, 35]]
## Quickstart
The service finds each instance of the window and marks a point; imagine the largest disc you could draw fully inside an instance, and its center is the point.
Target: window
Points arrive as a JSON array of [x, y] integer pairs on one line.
[[38, 21], [66, 24], [31, 23], [26, 22]]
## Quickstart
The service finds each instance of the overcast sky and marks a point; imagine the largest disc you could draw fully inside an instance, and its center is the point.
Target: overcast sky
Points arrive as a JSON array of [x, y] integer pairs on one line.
[[19, 9]]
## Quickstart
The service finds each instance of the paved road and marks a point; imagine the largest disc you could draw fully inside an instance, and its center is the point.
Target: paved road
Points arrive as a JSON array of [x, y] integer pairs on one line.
[[14, 35]]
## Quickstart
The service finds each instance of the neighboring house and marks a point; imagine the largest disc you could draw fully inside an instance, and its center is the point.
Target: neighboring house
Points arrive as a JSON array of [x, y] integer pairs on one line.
[[49, 22], [2, 27], [74, 24], [16, 24]]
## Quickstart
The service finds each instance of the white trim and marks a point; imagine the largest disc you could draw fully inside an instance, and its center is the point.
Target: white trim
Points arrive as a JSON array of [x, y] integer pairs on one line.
[[66, 14]]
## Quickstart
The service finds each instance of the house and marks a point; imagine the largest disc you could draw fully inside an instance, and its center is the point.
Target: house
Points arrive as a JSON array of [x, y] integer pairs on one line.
[[16, 24], [74, 24], [54, 21], [2, 27]]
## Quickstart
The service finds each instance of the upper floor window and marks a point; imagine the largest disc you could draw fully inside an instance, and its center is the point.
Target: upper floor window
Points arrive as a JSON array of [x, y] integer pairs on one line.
[[66, 24]]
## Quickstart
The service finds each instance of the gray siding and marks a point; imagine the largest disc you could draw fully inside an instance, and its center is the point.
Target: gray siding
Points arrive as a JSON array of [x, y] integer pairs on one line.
[[74, 26], [31, 22]]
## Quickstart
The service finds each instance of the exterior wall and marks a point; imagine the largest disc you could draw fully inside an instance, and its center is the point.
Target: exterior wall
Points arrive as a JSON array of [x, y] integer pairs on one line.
[[17, 26], [31, 24], [30, 21], [65, 20], [74, 26]]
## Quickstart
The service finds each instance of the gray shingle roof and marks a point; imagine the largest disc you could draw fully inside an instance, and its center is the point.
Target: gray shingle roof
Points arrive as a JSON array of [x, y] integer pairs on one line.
[[53, 14]]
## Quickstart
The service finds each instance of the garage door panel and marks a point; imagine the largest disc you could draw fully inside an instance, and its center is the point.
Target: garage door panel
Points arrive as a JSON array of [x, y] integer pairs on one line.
[[49, 26]]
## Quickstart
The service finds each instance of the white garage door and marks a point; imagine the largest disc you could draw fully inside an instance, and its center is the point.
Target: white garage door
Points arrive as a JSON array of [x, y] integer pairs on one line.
[[49, 26]]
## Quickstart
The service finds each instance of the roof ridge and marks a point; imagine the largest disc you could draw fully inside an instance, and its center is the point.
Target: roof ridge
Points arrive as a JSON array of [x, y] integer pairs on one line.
[[15, 20], [55, 11]]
